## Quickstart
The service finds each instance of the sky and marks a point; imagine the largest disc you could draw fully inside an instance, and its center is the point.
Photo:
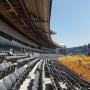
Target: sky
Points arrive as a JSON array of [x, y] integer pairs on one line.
[[70, 19]]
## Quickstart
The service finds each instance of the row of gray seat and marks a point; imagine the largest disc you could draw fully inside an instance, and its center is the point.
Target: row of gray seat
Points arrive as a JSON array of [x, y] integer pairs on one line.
[[12, 76], [2, 57], [30, 65], [6, 68], [14, 80], [24, 61], [35, 83]]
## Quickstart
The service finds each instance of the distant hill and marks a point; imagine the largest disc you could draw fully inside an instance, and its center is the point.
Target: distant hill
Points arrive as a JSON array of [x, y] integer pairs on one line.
[[78, 50]]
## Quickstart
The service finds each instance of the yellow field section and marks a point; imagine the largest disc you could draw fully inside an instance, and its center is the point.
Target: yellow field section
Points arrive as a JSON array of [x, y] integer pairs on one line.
[[79, 64]]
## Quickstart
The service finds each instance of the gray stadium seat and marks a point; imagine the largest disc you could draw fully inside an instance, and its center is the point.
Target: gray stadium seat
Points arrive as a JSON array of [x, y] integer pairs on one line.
[[16, 74], [2, 86], [7, 82], [20, 71], [12, 67], [12, 78], [2, 70], [7, 68]]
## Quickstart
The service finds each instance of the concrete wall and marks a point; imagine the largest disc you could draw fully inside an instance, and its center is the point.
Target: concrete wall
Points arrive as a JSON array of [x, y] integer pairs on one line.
[[10, 31]]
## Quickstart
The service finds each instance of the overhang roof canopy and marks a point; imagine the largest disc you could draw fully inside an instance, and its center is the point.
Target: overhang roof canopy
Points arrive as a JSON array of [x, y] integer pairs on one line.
[[30, 17]]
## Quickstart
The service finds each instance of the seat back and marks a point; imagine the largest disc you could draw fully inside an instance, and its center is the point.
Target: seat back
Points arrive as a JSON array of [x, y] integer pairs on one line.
[[7, 82], [16, 75], [2, 86], [12, 78]]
